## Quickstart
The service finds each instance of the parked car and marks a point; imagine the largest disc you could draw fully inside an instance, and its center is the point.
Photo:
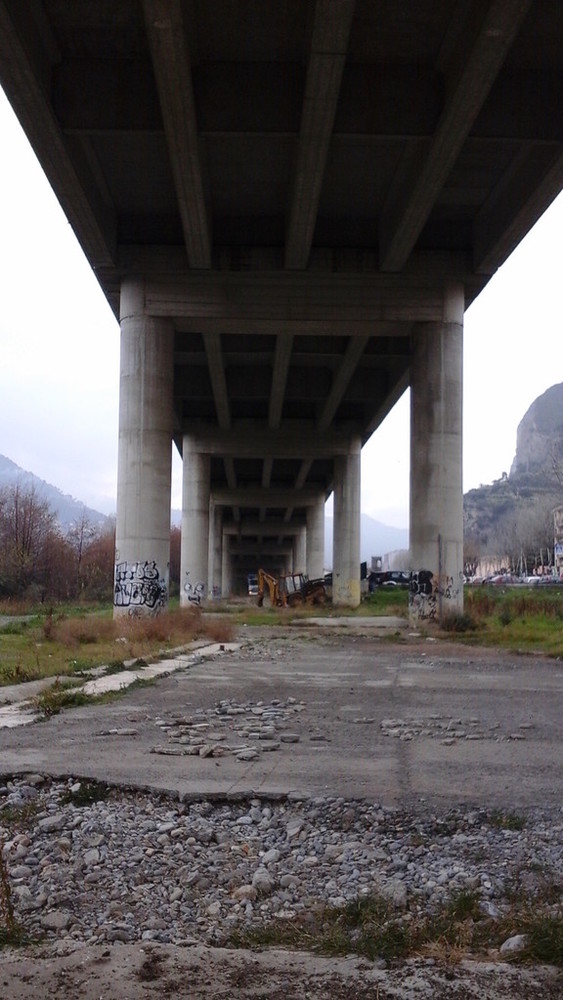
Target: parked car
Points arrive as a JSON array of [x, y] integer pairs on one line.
[[388, 578]]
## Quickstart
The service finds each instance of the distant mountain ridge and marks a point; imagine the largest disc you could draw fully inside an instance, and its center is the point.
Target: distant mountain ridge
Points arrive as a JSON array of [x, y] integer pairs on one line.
[[377, 539], [67, 510]]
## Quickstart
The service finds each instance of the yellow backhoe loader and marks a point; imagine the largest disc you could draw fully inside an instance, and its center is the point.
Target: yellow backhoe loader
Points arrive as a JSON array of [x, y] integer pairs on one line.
[[292, 589]]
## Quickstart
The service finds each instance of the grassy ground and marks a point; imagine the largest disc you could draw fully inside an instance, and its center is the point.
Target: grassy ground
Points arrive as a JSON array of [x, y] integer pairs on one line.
[[68, 642], [524, 620]]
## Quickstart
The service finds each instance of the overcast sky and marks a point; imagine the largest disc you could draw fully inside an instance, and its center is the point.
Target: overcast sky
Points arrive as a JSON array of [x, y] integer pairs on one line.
[[59, 351]]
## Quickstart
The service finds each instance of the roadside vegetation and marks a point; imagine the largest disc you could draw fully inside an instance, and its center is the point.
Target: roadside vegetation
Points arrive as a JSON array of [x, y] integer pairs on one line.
[[523, 619], [519, 619], [68, 642], [371, 928]]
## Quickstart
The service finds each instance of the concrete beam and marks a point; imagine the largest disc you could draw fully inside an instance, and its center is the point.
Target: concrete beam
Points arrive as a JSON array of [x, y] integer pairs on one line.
[[294, 439], [167, 40], [327, 57], [397, 388], [408, 103], [341, 381], [266, 529], [476, 69], [509, 214], [259, 549], [254, 496], [297, 302], [216, 368], [284, 346]]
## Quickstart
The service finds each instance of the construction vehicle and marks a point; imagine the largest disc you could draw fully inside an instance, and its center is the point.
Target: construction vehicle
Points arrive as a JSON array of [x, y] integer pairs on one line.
[[292, 589]]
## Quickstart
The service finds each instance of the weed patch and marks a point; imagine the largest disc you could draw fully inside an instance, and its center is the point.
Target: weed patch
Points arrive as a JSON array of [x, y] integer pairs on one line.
[[60, 695], [507, 821], [86, 793], [10, 932], [459, 622], [18, 819], [371, 928]]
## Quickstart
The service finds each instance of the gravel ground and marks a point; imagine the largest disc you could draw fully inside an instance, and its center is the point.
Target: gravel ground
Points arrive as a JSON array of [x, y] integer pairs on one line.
[[136, 894]]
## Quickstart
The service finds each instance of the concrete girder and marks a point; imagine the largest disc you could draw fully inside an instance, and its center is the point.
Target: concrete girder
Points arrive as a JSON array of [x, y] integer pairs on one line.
[[508, 211], [212, 342], [342, 378], [166, 33], [327, 57], [473, 73], [248, 526], [86, 98], [254, 496], [284, 346], [294, 439], [268, 302], [258, 549]]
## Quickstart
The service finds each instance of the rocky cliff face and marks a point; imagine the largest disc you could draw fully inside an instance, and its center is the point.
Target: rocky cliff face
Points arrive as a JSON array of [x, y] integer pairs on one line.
[[514, 513], [539, 439]]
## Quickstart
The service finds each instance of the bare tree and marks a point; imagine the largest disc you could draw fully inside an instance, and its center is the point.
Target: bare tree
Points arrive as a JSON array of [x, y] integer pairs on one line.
[[27, 524]]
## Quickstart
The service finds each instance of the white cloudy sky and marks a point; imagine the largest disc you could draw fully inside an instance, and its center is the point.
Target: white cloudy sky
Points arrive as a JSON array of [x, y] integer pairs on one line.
[[59, 353]]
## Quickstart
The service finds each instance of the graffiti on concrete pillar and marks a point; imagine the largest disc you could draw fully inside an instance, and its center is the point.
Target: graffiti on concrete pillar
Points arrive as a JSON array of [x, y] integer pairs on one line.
[[139, 587], [194, 591], [425, 592]]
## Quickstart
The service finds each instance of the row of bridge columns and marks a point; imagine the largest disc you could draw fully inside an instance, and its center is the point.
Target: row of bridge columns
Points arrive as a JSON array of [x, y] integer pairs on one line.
[[144, 478]]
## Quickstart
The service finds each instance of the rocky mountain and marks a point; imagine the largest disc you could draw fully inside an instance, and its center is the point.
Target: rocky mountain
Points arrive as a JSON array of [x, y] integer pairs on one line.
[[517, 508], [539, 438], [69, 512]]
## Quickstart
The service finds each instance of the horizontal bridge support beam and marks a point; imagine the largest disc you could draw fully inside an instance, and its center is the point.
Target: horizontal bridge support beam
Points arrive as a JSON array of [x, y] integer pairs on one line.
[[295, 439], [264, 529], [254, 496], [271, 298]]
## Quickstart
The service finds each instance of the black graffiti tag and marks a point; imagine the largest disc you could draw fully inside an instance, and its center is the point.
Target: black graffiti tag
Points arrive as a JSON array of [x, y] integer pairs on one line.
[[139, 585]]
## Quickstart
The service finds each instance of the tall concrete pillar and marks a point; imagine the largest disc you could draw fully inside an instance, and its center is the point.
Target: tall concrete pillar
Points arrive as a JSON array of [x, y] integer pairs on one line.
[[346, 530], [194, 558], [316, 539], [215, 550], [142, 556], [226, 568], [300, 551], [436, 492]]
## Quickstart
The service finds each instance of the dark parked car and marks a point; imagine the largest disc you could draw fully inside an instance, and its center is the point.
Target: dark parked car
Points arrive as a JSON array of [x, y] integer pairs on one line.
[[388, 578]]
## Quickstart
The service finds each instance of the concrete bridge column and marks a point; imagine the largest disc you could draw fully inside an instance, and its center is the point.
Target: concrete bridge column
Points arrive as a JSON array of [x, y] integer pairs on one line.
[[215, 550], [226, 568], [142, 556], [346, 531], [300, 552], [316, 539], [436, 492], [194, 560]]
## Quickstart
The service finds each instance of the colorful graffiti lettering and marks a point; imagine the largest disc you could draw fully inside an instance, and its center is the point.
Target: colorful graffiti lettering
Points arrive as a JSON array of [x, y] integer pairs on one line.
[[139, 586]]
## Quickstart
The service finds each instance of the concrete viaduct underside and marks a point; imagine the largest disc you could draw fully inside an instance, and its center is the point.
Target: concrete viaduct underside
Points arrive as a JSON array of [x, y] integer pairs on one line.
[[289, 204]]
